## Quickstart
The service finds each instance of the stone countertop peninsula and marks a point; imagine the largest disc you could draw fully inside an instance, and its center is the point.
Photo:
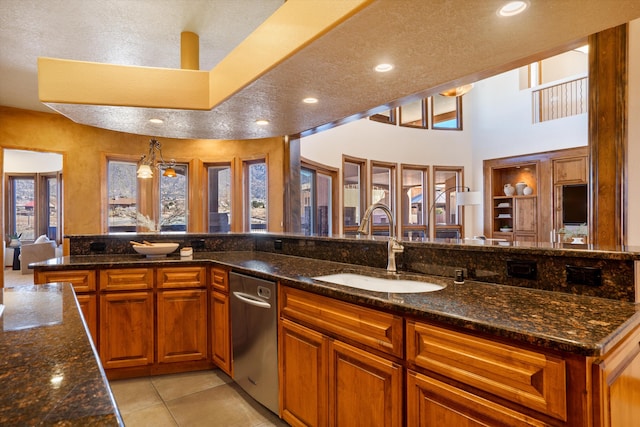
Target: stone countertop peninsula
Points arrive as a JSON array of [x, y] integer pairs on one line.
[[49, 371], [583, 325]]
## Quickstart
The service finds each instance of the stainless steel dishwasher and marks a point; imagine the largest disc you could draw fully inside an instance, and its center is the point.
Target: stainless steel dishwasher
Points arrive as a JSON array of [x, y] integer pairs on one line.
[[254, 334]]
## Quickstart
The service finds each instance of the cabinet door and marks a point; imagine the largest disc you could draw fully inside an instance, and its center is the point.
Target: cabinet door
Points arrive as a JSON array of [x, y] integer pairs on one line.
[[303, 375], [364, 389], [182, 325], [220, 279], [525, 215], [221, 331], [432, 403], [126, 329], [570, 171], [89, 309]]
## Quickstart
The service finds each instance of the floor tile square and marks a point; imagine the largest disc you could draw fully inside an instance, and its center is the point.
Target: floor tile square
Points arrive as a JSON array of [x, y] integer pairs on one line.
[[174, 386]]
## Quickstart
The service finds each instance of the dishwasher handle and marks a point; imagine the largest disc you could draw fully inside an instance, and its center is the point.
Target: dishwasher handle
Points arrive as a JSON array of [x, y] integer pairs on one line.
[[250, 299]]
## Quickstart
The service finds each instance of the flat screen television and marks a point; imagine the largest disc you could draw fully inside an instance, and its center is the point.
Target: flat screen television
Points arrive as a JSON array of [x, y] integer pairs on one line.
[[574, 204]]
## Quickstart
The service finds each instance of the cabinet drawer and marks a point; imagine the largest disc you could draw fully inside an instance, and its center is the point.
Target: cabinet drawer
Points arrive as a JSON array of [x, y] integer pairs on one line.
[[433, 403], [220, 279], [82, 280], [375, 329], [126, 279], [182, 277], [529, 378]]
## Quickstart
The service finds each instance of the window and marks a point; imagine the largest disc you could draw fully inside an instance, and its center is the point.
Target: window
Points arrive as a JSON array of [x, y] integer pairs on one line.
[[447, 215], [353, 195], [414, 114], [32, 205], [174, 196], [316, 198], [446, 112], [122, 189], [219, 192], [383, 191], [157, 203], [256, 195], [388, 116], [414, 219]]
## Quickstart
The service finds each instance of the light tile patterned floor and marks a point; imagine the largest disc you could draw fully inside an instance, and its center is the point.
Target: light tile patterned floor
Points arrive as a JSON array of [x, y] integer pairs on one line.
[[204, 398]]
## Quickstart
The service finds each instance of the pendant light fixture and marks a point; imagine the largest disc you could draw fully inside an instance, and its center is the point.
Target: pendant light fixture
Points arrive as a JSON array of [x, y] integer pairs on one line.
[[148, 162], [457, 91]]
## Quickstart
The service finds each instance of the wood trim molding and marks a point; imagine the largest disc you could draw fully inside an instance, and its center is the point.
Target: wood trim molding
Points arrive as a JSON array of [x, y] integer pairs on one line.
[[608, 135]]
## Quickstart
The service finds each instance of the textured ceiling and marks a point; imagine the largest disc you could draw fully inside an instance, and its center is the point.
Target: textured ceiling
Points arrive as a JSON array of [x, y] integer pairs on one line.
[[434, 44]]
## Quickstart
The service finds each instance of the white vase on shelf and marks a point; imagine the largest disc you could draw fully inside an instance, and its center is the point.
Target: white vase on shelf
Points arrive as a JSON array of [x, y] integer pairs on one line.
[[520, 186], [527, 191], [509, 190]]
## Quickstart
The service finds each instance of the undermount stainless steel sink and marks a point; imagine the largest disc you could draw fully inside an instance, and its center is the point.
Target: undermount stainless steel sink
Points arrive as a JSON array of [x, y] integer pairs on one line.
[[379, 284]]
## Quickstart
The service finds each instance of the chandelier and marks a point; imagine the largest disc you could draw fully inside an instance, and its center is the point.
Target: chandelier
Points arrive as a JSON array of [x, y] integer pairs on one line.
[[148, 162]]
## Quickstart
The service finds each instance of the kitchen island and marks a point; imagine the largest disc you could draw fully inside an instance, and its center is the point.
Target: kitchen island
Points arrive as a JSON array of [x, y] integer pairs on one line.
[[49, 373], [494, 354]]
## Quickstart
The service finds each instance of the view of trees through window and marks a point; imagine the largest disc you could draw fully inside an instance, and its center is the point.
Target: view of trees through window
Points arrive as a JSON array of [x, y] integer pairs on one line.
[[33, 206], [173, 200], [23, 191], [257, 194], [219, 198], [123, 195]]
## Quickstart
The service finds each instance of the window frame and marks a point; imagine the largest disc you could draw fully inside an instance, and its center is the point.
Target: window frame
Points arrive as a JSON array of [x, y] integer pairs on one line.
[[207, 219], [319, 168], [457, 114], [383, 229], [406, 207], [362, 164], [448, 190], [246, 164]]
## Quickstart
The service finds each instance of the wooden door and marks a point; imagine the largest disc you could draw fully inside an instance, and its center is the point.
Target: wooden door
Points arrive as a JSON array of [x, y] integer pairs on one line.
[[364, 389], [433, 403], [182, 325], [126, 329], [303, 375], [221, 331], [526, 215]]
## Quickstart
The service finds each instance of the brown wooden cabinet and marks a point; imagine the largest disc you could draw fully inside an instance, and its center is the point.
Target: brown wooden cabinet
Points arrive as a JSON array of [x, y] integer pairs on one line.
[[84, 285], [127, 332], [545, 173], [530, 379], [315, 351], [126, 329], [182, 325], [220, 320]]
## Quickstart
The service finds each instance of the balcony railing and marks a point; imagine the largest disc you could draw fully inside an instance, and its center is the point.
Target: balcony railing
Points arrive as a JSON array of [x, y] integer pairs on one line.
[[561, 100]]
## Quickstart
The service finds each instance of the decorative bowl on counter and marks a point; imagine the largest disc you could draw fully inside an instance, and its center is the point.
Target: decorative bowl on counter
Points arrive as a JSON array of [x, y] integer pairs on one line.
[[152, 250]]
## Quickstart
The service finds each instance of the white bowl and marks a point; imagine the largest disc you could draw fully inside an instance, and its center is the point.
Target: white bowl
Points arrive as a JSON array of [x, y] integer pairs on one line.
[[156, 249]]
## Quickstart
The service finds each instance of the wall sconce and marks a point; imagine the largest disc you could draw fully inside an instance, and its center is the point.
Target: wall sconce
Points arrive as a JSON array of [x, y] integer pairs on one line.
[[148, 162]]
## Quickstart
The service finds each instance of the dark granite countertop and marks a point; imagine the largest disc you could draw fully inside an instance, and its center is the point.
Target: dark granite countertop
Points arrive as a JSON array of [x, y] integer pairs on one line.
[[584, 325], [49, 373]]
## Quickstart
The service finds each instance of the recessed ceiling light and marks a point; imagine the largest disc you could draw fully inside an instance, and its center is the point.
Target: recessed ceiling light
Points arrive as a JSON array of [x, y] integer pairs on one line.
[[262, 122], [513, 8], [310, 100], [383, 68], [156, 121]]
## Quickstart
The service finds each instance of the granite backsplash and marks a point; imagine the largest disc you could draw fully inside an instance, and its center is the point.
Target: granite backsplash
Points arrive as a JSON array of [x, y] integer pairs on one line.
[[606, 274]]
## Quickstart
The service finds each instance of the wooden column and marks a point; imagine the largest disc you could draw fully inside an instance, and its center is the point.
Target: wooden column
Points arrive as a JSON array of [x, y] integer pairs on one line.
[[608, 135]]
